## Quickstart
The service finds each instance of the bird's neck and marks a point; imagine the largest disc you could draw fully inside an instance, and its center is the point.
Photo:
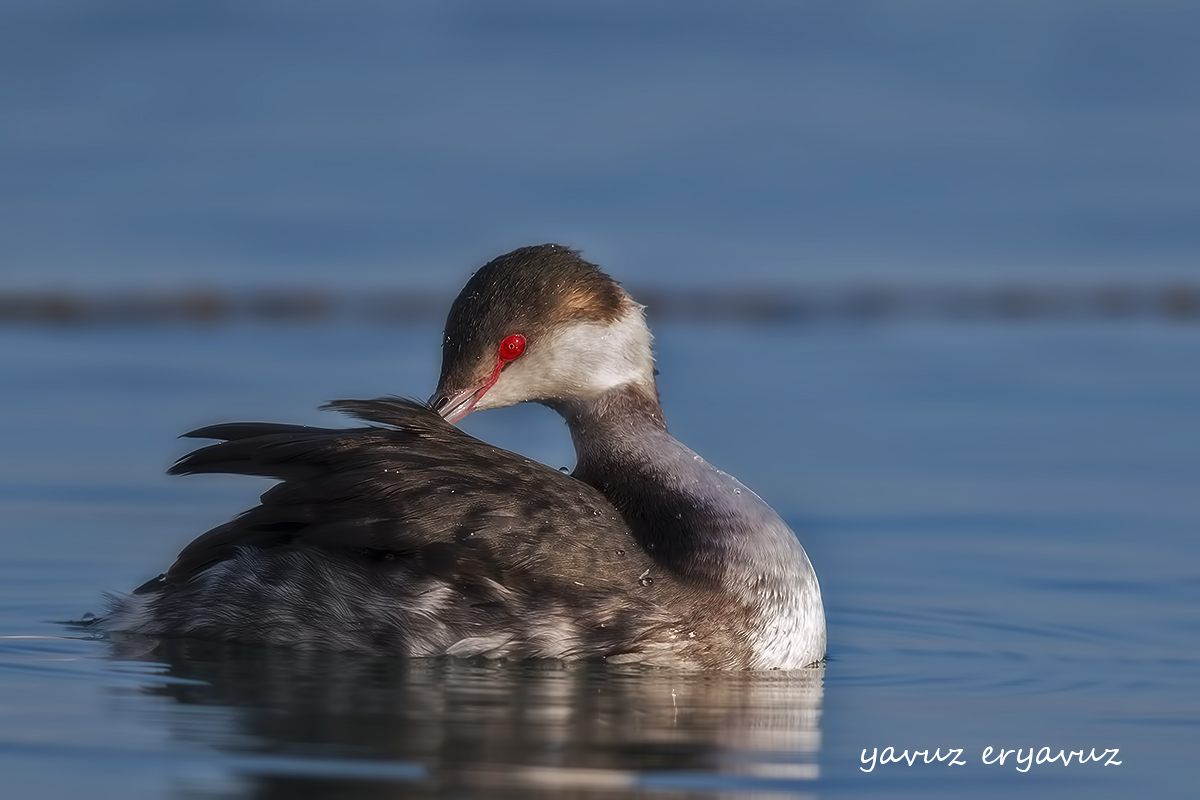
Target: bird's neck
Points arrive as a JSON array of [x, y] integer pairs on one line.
[[616, 428], [678, 506]]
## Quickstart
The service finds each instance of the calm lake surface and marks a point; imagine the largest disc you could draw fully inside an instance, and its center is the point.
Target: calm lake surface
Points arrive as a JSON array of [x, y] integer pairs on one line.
[[1003, 509], [1003, 518]]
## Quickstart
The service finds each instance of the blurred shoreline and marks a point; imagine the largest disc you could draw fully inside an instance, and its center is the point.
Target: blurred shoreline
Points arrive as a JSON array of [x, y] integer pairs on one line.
[[861, 302]]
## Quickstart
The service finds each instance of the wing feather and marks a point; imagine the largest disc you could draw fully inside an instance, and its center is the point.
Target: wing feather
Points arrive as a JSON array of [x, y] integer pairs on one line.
[[418, 488]]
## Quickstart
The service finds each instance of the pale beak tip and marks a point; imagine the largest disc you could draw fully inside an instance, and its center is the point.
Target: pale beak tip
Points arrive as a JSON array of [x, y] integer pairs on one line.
[[453, 406]]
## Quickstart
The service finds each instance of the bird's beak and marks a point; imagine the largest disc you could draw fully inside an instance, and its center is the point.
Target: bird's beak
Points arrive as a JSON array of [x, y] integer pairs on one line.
[[453, 406]]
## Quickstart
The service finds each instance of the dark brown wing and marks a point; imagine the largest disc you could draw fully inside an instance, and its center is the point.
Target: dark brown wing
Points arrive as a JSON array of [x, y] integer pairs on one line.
[[418, 488]]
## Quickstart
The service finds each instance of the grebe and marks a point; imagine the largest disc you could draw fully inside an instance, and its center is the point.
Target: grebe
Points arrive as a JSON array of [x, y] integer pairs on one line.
[[410, 537]]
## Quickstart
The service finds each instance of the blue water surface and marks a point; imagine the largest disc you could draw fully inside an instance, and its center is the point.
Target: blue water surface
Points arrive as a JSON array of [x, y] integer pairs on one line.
[[1002, 519]]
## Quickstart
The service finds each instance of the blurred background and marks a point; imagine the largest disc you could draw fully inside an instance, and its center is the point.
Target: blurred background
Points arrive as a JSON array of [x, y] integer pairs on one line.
[[371, 144], [926, 275]]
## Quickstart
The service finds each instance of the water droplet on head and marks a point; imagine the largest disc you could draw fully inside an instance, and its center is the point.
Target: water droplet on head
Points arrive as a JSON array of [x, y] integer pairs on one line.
[[737, 491], [646, 580], [563, 469]]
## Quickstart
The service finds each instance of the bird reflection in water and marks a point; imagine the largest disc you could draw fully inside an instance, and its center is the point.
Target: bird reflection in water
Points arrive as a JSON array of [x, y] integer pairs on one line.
[[301, 724]]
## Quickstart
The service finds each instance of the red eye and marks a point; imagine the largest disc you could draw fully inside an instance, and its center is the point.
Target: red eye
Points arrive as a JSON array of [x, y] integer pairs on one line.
[[511, 347]]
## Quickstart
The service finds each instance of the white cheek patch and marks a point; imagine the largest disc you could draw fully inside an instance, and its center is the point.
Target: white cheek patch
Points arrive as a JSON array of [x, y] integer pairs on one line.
[[579, 360], [597, 357]]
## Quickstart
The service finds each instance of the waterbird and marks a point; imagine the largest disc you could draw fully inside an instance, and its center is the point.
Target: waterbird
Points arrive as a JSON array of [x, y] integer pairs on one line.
[[409, 537]]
